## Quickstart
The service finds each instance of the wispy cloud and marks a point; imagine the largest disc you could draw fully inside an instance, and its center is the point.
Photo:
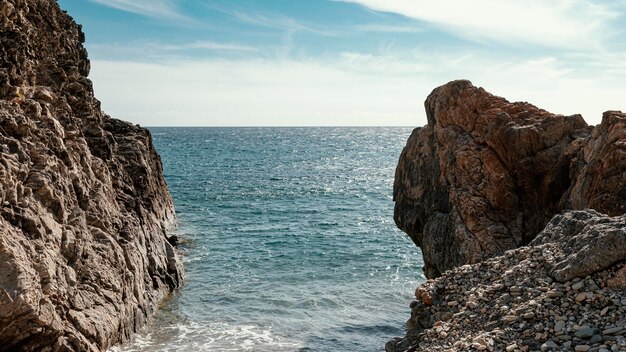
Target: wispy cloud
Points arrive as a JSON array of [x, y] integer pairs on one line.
[[163, 9], [553, 23], [151, 51], [282, 22], [208, 45], [383, 28]]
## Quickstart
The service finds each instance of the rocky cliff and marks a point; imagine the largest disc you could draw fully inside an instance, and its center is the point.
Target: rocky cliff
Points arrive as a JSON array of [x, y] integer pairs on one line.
[[84, 257], [486, 175], [498, 196]]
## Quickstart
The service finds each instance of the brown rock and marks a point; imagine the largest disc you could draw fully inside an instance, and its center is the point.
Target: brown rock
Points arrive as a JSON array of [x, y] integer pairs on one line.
[[84, 258], [619, 281], [484, 176], [598, 177], [424, 296]]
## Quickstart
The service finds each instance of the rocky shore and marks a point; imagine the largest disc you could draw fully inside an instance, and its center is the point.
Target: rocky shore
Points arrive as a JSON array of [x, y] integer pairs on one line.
[[519, 214], [84, 208]]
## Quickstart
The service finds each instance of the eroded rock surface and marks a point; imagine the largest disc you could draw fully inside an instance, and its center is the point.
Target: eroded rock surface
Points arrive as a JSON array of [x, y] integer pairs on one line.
[[598, 171], [486, 175], [588, 242], [84, 258]]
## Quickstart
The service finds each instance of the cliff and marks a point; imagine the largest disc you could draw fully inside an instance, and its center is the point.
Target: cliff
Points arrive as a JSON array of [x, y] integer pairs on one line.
[[84, 257], [498, 196], [486, 175]]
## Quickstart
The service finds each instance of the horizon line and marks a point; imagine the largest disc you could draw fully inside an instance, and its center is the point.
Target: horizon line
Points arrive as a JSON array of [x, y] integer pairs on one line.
[[273, 126]]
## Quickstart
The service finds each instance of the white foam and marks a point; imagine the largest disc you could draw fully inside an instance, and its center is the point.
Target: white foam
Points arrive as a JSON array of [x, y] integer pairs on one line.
[[218, 336]]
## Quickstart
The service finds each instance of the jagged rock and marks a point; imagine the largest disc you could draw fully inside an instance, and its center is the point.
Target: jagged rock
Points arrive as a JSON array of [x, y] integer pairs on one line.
[[598, 171], [589, 242], [84, 257], [484, 176]]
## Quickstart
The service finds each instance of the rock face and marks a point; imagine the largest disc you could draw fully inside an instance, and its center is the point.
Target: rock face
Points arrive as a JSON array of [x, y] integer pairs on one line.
[[84, 257], [486, 175], [598, 171]]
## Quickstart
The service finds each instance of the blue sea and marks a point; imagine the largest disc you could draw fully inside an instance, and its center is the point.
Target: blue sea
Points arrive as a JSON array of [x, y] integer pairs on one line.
[[288, 238]]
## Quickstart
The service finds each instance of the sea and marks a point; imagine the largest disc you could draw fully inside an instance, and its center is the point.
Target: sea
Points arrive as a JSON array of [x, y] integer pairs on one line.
[[288, 240]]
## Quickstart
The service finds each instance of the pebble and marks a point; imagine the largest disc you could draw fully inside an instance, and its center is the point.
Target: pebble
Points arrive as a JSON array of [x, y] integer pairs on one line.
[[478, 346], [595, 339], [581, 297], [578, 285], [548, 345], [559, 326], [512, 347], [613, 330], [584, 331], [582, 348]]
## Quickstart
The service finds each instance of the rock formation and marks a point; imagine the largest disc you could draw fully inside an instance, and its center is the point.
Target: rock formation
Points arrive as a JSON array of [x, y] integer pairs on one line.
[[486, 175], [84, 257], [499, 197]]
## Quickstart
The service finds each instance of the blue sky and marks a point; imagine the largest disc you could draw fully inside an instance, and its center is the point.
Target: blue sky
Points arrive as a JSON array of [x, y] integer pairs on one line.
[[346, 62]]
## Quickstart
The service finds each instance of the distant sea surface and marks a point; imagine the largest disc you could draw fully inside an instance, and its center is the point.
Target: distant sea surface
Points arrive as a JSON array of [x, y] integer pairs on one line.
[[288, 239]]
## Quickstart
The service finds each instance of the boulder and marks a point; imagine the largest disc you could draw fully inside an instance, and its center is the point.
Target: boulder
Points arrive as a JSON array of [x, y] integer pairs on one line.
[[483, 176]]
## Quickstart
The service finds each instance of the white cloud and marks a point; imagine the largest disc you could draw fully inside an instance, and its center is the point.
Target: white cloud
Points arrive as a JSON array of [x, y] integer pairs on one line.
[[348, 89], [554, 23], [163, 9]]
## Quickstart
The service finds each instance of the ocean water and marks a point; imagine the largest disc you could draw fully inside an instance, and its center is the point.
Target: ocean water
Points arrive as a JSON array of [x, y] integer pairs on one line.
[[288, 239]]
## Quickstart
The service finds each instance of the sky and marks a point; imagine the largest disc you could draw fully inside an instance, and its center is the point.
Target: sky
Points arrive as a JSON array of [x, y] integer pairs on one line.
[[346, 62]]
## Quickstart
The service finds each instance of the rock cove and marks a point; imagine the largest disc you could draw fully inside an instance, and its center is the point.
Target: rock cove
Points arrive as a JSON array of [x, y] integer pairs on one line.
[[84, 208], [520, 217]]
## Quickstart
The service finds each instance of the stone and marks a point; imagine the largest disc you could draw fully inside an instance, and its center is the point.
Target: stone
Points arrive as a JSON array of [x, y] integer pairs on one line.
[[548, 346], [511, 347], [613, 330], [554, 294], [584, 331], [595, 339], [583, 234], [84, 257], [582, 348], [581, 297]]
